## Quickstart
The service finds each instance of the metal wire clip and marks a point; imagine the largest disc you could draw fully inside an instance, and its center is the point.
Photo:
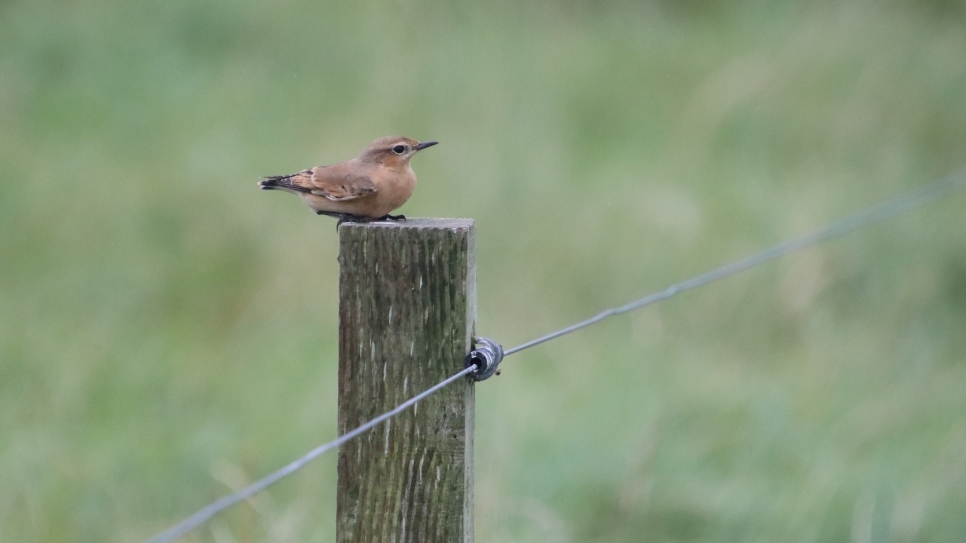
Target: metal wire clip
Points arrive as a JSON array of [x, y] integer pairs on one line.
[[486, 357]]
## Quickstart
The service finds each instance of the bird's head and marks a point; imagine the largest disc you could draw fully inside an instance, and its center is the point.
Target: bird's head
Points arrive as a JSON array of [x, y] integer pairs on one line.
[[393, 150]]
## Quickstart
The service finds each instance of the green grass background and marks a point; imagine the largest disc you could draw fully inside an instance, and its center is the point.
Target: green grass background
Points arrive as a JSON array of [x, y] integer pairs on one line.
[[168, 332]]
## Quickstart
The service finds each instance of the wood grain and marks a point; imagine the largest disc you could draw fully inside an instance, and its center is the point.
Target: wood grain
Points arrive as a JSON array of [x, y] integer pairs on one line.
[[406, 314]]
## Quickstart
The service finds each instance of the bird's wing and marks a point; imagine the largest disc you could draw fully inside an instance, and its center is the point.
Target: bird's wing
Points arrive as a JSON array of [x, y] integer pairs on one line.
[[340, 183]]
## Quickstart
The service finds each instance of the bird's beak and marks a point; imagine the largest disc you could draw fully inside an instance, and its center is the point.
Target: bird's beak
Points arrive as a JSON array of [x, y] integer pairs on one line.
[[424, 144]]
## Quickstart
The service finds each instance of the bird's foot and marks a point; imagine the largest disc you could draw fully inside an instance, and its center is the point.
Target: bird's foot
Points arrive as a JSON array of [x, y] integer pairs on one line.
[[349, 217], [345, 217]]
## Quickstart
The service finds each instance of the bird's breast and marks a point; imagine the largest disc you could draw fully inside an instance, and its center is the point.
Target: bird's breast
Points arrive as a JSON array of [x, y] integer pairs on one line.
[[398, 185]]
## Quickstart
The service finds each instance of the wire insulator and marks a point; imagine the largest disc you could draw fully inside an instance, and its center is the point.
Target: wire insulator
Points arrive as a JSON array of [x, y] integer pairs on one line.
[[486, 356]]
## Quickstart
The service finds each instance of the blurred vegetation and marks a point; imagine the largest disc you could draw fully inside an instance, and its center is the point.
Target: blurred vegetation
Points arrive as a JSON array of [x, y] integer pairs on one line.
[[168, 332]]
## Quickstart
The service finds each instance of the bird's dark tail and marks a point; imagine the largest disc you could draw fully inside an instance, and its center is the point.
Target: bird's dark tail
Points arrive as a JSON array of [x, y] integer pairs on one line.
[[282, 182], [272, 182]]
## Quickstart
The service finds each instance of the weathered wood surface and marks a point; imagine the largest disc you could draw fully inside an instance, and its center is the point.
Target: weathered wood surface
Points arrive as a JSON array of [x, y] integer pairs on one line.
[[406, 314]]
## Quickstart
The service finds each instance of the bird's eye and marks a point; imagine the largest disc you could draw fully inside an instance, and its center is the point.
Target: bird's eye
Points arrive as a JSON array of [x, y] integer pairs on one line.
[[399, 149]]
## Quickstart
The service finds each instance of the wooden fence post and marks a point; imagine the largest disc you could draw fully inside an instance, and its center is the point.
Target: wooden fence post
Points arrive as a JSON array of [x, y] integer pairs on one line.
[[407, 307]]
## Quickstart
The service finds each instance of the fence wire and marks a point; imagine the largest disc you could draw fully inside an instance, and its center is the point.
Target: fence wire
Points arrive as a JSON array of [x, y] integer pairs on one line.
[[890, 208], [215, 507]]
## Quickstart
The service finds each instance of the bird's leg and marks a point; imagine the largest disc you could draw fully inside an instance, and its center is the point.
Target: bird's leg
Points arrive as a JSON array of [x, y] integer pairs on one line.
[[344, 217], [340, 216], [388, 217], [358, 218]]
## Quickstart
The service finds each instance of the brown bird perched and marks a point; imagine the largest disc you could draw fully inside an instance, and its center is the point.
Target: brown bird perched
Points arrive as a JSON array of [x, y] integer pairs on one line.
[[363, 189]]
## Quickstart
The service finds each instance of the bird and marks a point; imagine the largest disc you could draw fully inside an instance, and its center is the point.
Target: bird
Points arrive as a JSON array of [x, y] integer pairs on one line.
[[363, 189]]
